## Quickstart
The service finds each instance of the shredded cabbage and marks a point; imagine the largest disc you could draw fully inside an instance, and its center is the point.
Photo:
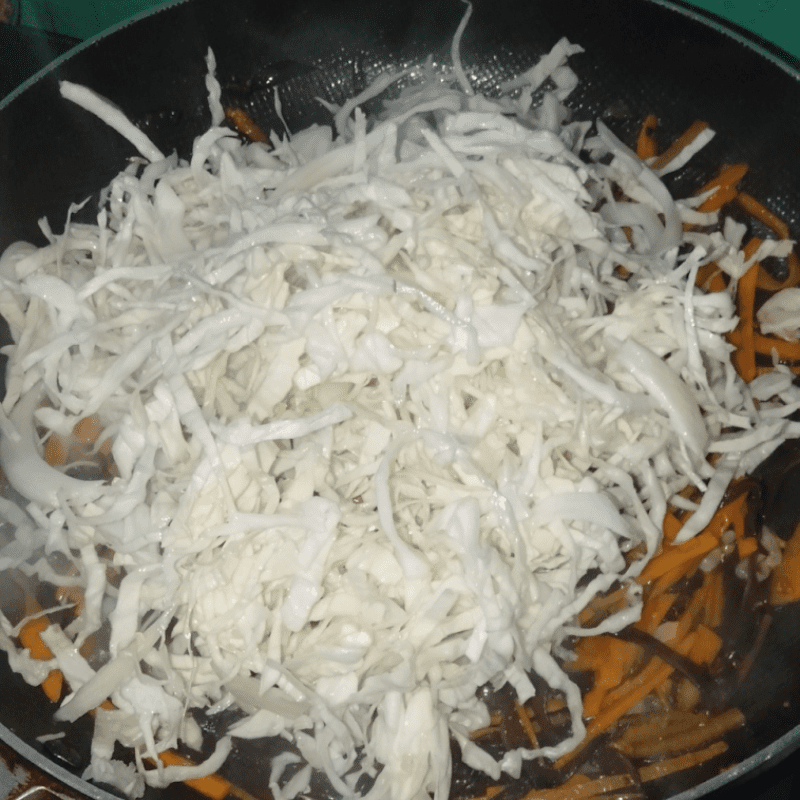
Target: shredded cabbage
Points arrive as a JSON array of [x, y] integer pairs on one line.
[[386, 413]]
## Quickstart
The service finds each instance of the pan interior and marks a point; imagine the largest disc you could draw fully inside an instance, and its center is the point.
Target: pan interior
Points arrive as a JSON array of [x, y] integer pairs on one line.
[[641, 57]]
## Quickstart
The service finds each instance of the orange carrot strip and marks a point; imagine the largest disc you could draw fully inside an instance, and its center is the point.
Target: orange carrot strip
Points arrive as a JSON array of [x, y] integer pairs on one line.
[[579, 787], [714, 599], [55, 450], [652, 772], [604, 603], [724, 184], [671, 526], [479, 733], [555, 704], [722, 196], [785, 579], [675, 560], [747, 545], [646, 146], [764, 345], [675, 555], [758, 210], [527, 725], [709, 278], [665, 582], [700, 730], [737, 514], [706, 645], [88, 429], [744, 359], [244, 123], [626, 696], [73, 595], [214, 786], [30, 636], [654, 611], [769, 284], [53, 685], [616, 657], [689, 616], [657, 725], [686, 138]]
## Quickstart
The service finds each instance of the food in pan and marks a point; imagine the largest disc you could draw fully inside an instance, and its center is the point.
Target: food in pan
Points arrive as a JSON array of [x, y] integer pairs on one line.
[[415, 435]]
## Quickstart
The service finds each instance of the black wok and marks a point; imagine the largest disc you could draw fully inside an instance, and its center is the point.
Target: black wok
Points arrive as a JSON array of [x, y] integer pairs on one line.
[[642, 56]]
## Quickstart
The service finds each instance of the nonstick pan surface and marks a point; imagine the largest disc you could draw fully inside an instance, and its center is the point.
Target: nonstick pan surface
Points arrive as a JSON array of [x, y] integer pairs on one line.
[[641, 56]]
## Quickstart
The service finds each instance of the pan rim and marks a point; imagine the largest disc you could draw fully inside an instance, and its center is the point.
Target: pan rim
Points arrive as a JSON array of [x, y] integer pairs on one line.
[[764, 758]]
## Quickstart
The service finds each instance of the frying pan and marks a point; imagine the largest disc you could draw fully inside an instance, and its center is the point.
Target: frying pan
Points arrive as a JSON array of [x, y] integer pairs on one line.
[[642, 56]]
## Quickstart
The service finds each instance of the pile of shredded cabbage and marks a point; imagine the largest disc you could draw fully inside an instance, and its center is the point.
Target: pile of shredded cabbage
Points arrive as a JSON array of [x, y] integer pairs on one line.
[[389, 405]]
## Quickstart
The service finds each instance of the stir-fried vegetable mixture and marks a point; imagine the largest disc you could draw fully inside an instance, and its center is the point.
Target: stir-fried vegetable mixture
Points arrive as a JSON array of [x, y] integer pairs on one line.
[[374, 418]]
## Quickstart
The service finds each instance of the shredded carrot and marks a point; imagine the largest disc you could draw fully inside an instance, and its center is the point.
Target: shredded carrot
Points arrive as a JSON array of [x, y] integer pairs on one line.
[[656, 724], [526, 723], [687, 695], [744, 358], [747, 545], [710, 278], [676, 555], [706, 645], [760, 212], [652, 772], [785, 580], [30, 636], [646, 146], [770, 284], [611, 661], [654, 611], [765, 345], [479, 733], [687, 732], [244, 123], [55, 450], [626, 696], [714, 599], [73, 595], [555, 704], [666, 581], [671, 526], [644, 676], [724, 184], [736, 512], [88, 429], [686, 138], [579, 787], [603, 604], [675, 560], [214, 786], [689, 617]]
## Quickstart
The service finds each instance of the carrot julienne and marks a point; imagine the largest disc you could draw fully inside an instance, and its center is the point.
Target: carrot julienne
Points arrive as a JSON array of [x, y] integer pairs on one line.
[[245, 124], [723, 187], [785, 579], [652, 772], [646, 145], [686, 138]]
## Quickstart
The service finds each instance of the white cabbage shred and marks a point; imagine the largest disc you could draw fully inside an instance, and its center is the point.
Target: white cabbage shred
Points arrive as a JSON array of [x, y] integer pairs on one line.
[[386, 415]]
